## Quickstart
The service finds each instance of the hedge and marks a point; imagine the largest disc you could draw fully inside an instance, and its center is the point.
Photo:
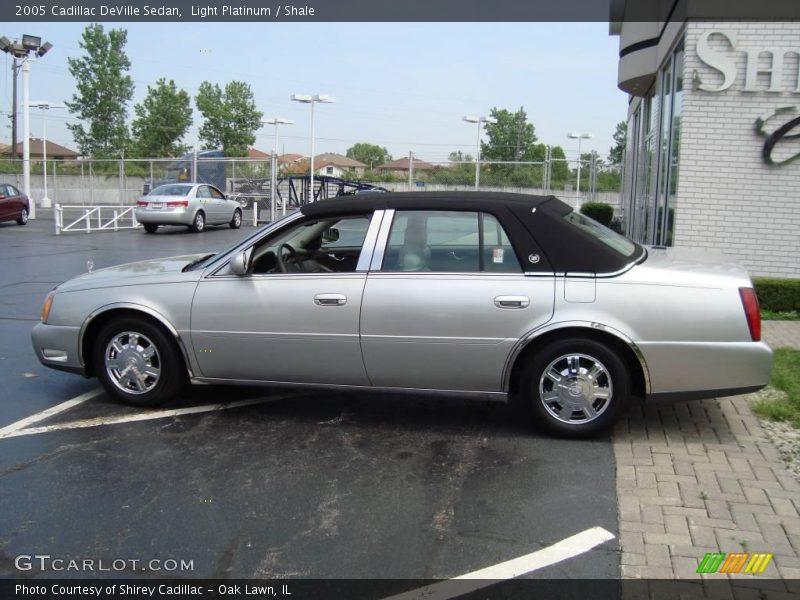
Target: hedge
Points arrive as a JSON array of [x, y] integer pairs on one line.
[[599, 211], [776, 294]]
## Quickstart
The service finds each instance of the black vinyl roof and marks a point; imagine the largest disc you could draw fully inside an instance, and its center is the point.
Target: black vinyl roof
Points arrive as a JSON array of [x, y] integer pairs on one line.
[[535, 224]]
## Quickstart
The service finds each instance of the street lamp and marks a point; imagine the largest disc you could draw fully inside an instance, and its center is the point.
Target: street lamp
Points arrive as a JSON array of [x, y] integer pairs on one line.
[[30, 43], [45, 106], [312, 100], [479, 121], [273, 178], [579, 137]]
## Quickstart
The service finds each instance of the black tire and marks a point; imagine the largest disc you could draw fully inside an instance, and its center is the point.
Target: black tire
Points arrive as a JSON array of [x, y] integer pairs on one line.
[[236, 221], [199, 222], [167, 359], [23, 217], [565, 409], [150, 227]]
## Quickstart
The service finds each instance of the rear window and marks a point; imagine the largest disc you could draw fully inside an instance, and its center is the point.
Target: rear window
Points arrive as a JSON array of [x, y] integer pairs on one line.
[[602, 233], [171, 190]]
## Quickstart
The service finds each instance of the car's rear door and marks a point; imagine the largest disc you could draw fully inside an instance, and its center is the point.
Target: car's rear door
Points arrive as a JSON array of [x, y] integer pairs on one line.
[[446, 301], [223, 208], [299, 327]]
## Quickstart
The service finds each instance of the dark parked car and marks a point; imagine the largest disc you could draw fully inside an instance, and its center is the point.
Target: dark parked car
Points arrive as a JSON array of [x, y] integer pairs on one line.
[[14, 205]]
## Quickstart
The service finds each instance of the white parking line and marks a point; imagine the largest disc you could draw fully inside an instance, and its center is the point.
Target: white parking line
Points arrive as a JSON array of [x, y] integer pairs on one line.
[[145, 416], [567, 548], [10, 430]]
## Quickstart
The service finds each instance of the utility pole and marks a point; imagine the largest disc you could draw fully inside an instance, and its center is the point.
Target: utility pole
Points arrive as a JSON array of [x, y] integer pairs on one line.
[[14, 70]]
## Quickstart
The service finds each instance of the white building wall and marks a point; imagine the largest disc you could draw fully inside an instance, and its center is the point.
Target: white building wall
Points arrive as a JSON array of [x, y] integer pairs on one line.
[[729, 199]]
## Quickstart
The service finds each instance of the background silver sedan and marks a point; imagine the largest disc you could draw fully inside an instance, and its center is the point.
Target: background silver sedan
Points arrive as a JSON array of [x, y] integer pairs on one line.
[[192, 204], [487, 295]]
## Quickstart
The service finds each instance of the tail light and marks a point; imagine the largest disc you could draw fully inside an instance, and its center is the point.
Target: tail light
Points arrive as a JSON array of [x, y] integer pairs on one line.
[[752, 312], [141, 203], [178, 203]]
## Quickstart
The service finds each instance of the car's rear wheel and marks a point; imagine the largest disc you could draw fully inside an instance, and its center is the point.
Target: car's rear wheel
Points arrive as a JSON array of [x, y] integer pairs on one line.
[[137, 362], [577, 387], [150, 227], [236, 221], [23, 217], [199, 222]]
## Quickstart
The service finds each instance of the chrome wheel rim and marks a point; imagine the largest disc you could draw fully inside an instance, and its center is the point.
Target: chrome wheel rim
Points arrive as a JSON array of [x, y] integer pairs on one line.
[[132, 362], [575, 388], [199, 222], [237, 218], [24, 216]]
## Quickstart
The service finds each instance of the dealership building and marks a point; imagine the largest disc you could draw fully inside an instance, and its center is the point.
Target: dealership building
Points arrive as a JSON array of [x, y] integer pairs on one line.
[[713, 131]]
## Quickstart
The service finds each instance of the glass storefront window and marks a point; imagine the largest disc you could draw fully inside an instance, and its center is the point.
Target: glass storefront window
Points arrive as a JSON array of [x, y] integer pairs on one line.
[[654, 150]]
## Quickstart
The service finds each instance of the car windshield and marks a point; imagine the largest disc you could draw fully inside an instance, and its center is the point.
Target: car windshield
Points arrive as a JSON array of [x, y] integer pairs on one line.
[[171, 190], [602, 233]]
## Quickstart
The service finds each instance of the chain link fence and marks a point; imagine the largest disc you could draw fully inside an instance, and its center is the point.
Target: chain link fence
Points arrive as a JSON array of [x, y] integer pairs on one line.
[[92, 182]]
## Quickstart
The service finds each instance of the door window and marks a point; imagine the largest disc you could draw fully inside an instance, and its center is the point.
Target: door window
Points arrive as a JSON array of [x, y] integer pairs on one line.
[[215, 193], [450, 242], [320, 246], [203, 192]]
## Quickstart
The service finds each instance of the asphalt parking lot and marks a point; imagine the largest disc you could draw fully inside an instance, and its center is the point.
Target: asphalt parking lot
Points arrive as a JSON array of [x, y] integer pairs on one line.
[[255, 482]]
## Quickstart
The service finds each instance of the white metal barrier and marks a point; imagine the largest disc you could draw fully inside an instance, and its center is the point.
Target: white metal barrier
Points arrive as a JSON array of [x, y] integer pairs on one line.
[[95, 218]]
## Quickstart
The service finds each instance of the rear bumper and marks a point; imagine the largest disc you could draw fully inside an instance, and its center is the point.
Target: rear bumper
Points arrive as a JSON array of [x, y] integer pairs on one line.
[[57, 347], [166, 216], [693, 370]]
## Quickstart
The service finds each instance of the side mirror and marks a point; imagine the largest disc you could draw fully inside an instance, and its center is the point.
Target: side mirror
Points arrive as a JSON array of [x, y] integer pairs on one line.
[[238, 264], [330, 235]]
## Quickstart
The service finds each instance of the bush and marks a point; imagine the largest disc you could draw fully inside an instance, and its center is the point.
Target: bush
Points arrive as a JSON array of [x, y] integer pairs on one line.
[[776, 294], [599, 211]]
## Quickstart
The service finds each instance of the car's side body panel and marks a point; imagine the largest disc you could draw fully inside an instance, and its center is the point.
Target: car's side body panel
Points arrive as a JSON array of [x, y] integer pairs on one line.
[[273, 327], [446, 330]]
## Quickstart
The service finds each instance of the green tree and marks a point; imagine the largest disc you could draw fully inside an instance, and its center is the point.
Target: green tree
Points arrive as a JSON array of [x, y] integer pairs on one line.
[[371, 155], [161, 121], [559, 169], [459, 156], [617, 151], [103, 92], [230, 117], [510, 138]]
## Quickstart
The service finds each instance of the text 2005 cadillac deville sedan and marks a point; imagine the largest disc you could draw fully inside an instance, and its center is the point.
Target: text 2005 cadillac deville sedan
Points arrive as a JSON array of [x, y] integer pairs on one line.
[[470, 293]]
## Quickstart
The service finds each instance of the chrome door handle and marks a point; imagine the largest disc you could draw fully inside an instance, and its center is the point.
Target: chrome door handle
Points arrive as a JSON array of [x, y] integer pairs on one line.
[[512, 301], [330, 299]]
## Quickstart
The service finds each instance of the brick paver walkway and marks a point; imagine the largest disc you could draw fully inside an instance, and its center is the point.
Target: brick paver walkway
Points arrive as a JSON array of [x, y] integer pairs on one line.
[[698, 477], [781, 334]]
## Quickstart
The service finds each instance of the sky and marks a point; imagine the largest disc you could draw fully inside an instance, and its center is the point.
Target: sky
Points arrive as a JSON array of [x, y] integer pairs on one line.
[[405, 86]]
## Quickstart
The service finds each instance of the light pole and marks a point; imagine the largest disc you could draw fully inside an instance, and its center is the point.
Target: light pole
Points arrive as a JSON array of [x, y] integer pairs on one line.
[[579, 137], [312, 100], [479, 121], [30, 43], [273, 176], [45, 106]]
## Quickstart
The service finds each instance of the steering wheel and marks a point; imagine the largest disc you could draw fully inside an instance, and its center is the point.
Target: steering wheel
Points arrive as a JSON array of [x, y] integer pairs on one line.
[[292, 253]]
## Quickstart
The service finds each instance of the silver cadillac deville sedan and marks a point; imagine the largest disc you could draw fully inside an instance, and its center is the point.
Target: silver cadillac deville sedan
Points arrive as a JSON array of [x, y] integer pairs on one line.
[[489, 295]]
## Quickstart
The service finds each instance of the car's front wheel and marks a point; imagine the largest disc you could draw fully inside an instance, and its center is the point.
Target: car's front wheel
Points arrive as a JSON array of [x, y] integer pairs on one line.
[[150, 227], [577, 387], [137, 362], [199, 222], [236, 221], [23, 217]]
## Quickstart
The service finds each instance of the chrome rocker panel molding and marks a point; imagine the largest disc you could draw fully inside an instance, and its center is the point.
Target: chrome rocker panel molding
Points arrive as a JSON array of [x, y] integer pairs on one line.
[[477, 395]]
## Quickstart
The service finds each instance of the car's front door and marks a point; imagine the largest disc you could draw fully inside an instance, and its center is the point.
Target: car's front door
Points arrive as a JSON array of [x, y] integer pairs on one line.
[[223, 208], [447, 302], [5, 203], [294, 316]]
